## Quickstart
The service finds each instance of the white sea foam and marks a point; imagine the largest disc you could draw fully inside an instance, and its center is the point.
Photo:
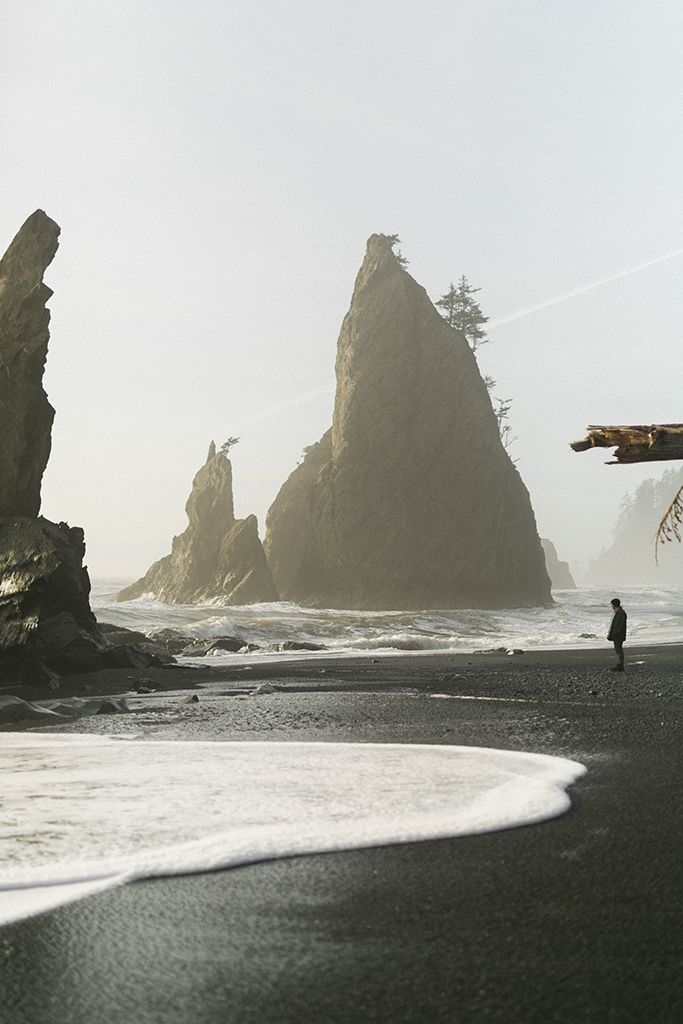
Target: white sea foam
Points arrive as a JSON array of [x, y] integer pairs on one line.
[[579, 618], [83, 813]]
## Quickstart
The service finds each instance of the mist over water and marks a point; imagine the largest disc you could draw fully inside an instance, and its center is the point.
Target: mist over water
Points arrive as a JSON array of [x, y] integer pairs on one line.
[[655, 616]]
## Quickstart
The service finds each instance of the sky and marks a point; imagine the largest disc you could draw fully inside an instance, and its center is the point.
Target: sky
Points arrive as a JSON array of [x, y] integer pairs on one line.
[[216, 169]]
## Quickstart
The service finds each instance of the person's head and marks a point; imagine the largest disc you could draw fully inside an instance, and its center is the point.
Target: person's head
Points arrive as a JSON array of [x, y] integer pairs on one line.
[[616, 603]]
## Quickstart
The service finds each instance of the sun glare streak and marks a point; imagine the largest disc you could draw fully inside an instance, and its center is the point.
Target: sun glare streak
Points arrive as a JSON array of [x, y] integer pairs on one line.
[[579, 291]]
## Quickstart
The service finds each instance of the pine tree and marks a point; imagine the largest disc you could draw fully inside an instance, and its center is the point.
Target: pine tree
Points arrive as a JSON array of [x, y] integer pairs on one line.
[[502, 410], [227, 445], [462, 311]]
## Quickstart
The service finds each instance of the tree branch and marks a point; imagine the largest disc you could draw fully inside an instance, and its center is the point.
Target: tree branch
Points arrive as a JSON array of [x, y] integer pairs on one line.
[[671, 523]]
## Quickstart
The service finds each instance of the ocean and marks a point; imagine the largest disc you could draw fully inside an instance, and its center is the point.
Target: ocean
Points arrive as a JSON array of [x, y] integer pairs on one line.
[[578, 618], [82, 813]]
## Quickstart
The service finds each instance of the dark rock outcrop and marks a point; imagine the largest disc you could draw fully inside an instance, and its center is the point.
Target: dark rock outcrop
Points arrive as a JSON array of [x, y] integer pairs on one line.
[[26, 413], [46, 625], [410, 501], [218, 556], [47, 628], [128, 647], [45, 616], [560, 576]]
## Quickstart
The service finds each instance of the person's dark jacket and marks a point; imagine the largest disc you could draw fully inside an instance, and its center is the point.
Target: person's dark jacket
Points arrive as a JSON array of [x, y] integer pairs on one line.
[[617, 629]]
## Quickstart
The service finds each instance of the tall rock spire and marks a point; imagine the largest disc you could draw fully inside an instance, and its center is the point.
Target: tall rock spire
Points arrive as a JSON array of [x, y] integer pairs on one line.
[[46, 624], [217, 556], [410, 501], [25, 412]]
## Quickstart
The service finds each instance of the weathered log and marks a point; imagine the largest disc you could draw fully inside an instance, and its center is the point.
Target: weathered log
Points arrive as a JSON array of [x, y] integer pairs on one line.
[[654, 443]]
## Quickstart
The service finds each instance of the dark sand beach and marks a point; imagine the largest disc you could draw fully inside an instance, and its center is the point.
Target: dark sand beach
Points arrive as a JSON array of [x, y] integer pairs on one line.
[[574, 921]]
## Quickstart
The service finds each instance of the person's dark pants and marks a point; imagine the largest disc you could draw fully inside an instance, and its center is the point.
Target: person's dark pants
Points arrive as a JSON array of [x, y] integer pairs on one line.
[[619, 648]]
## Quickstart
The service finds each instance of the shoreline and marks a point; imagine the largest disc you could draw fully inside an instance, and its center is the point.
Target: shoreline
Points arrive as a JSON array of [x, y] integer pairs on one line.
[[324, 670], [576, 919]]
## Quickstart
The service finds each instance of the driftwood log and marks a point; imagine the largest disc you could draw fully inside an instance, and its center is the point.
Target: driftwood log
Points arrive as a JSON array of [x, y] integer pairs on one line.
[[655, 443]]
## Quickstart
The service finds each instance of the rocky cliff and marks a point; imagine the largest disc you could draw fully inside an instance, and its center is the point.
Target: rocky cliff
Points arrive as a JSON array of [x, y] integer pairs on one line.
[[217, 556], [560, 576], [410, 501], [45, 620], [46, 625], [24, 319]]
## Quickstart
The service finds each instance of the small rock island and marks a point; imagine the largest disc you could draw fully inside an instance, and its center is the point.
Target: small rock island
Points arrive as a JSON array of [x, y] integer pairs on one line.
[[217, 557]]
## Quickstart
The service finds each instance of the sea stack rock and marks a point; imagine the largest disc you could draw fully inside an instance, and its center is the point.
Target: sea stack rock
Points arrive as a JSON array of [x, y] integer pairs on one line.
[[410, 501], [24, 320], [218, 556], [560, 576], [46, 625]]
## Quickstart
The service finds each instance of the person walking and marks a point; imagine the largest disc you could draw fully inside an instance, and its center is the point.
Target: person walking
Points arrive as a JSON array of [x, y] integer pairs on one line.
[[617, 633]]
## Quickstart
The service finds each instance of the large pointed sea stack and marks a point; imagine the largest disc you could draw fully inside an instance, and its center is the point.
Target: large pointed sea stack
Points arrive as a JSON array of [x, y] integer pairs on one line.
[[218, 556], [24, 320], [410, 501]]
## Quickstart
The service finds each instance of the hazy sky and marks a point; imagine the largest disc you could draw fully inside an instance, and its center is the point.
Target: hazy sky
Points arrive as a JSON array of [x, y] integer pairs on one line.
[[216, 168]]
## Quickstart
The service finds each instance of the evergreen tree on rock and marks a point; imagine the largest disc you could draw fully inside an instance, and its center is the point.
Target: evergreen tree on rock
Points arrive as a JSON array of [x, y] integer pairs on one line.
[[462, 311]]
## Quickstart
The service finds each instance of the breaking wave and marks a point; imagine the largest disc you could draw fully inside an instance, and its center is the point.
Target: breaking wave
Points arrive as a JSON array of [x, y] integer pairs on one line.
[[578, 618]]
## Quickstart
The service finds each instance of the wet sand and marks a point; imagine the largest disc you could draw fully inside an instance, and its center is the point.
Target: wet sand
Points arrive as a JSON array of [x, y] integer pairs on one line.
[[574, 921]]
